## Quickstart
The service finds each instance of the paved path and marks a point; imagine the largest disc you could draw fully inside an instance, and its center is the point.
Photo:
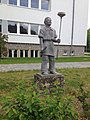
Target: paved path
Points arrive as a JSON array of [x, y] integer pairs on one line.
[[35, 66]]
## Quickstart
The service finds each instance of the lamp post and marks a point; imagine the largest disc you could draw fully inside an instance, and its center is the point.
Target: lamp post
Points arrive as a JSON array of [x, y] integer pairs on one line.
[[61, 15], [72, 30]]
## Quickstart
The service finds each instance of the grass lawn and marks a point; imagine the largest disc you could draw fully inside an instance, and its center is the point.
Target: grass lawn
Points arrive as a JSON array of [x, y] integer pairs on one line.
[[38, 60], [9, 81]]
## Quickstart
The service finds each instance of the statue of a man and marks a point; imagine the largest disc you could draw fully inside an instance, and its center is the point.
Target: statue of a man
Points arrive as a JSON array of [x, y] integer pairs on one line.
[[47, 36]]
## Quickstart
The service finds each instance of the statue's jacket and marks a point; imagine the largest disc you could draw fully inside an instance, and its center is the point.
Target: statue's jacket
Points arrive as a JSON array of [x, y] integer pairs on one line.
[[48, 36]]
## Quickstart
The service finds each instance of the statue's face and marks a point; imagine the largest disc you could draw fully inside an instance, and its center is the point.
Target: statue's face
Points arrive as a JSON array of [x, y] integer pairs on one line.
[[48, 21]]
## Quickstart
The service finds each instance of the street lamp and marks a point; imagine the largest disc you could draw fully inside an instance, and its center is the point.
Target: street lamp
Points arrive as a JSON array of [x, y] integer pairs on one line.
[[72, 30]]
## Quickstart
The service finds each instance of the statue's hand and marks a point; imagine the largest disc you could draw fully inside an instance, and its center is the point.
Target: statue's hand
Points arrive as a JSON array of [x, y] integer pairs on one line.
[[58, 40]]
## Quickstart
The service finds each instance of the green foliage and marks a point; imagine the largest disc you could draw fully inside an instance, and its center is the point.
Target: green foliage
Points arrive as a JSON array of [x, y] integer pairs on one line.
[[3, 40], [84, 98], [35, 106]]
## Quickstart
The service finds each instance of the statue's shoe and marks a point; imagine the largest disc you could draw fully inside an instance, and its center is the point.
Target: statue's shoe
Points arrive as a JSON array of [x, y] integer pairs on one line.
[[53, 72], [44, 73]]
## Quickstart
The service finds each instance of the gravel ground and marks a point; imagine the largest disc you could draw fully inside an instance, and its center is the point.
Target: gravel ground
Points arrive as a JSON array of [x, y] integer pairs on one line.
[[36, 66]]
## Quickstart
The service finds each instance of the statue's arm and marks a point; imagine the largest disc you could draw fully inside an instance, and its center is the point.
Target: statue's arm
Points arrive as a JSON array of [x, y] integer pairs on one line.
[[56, 40], [41, 43]]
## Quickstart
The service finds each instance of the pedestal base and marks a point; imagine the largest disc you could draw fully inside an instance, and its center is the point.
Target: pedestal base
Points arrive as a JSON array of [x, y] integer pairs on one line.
[[48, 81]]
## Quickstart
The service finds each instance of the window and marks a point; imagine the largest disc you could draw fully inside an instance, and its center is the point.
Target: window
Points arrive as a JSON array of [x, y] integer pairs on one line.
[[24, 3], [0, 1], [12, 27], [26, 53], [34, 29], [23, 28], [32, 52], [45, 4], [21, 53], [10, 53], [72, 52], [34, 3], [14, 2], [65, 52], [15, 53], [36, 53], [0, 26]]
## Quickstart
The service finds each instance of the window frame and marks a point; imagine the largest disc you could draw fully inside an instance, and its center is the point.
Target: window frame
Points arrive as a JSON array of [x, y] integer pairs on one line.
[[11, 3], [33, 24], [14, 25], [26, 29], [44, 3], [26, 5]]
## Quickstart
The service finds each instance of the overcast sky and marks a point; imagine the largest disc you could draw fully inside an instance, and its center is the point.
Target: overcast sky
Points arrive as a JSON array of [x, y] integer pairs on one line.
[[89, 16]]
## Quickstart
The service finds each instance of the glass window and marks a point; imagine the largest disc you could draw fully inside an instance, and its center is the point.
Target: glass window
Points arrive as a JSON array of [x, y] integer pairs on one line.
[[23, 28], [0, 1], [15, 53], [12, 27], [10, 53], [26, 53], [24, 3], [34, 29], [21, 53], [32, 52], [0, 26], [14, 2], [35, 3], [36, 53], [45, 4]]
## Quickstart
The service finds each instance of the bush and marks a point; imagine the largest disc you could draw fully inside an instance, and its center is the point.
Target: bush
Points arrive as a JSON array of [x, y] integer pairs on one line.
[[36, 106]]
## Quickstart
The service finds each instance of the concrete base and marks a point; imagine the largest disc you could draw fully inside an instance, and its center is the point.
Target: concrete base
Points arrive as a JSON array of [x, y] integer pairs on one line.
[[48, 81]]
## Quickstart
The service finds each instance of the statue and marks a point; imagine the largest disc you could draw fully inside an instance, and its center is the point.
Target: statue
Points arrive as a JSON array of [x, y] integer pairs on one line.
[[47, 36]]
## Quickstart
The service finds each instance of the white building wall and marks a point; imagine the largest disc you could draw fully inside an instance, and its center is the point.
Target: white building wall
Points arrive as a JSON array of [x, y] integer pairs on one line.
[[29, 15]]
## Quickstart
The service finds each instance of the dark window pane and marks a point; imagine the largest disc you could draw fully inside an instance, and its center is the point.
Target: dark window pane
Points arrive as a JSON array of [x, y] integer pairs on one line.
[[14, 2], [10, 53], [21, 53], [15, 53], [26, 53], [23, 28], [24, 3], [12, 27], [45, 4], [32, 52], [35, 3], [34, 29], [36, 53]]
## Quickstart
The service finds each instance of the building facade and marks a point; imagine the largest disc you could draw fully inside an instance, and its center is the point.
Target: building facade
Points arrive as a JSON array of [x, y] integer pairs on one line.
[[22, 20]]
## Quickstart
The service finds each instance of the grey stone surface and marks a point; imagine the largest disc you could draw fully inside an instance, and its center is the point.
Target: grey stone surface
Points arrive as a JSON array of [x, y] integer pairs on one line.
[[37, 66], [49, 81]]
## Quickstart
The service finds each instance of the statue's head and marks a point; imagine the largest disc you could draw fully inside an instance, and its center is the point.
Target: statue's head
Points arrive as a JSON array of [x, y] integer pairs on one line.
[[48, 21]]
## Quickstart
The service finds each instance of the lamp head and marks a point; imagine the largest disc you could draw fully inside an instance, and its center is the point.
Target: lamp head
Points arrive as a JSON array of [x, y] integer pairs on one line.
[[61, 14]]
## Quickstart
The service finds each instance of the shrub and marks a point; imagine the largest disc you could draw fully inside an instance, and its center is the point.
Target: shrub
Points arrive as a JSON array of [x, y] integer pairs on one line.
[[36, 106]]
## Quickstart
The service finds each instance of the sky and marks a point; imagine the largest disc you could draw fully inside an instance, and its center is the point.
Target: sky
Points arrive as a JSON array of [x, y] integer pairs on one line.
[[89, 16]]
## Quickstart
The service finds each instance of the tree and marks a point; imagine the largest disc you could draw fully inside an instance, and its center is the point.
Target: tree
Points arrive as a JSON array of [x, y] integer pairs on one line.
[[3, 49], [88, 41]]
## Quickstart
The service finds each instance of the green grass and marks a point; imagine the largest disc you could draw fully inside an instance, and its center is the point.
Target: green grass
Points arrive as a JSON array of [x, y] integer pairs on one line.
[[9, 81], [38, 60]]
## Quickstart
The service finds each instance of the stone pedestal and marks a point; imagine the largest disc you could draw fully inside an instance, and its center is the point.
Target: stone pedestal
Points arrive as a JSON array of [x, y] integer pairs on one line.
[[49, 81]]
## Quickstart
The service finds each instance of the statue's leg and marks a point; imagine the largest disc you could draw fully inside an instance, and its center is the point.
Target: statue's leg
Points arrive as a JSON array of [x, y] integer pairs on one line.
[[44, 69], [51, 63]]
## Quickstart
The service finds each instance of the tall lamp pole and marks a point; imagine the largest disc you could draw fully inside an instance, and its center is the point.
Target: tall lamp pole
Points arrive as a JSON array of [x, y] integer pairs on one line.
[[72, 30], [61, 15]]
